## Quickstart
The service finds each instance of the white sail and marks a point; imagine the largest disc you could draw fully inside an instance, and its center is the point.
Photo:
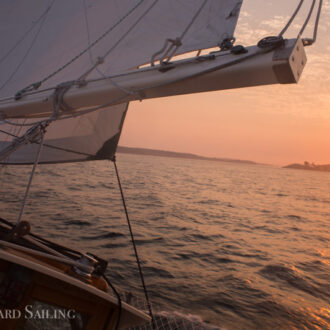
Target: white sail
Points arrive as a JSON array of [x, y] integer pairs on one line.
[[51, 42], [92, 136], [39, 37]]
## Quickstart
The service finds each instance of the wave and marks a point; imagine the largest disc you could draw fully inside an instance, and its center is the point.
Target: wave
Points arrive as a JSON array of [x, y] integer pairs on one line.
[[292, 278], [103, 236]]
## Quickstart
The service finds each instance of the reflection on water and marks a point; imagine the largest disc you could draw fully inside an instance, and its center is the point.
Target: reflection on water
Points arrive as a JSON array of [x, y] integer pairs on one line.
[[240, 246]]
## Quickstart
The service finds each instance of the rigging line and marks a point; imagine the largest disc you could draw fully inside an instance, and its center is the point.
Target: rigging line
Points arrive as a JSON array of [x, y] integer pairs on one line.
[[9, 99], [27, 52], [53, 147], [88, 32], [30, 134], [175, 43], [133, 243], [317, 20], [123, 89], [193, 19], [61, 258], [4, 163], [291, 18], [23, 124], [122, 38], [28, 31], [118, 299], [54, 246], [307, 18], [92, 44], [176, 47], [16, 132], [309, 42], [13, 129], [31, 175]]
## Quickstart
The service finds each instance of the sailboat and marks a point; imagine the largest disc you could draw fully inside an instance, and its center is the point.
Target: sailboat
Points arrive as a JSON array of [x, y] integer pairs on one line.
[[68, 72]]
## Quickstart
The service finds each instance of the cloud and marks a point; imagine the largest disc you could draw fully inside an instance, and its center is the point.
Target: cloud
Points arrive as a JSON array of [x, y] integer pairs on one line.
[[276, 23]]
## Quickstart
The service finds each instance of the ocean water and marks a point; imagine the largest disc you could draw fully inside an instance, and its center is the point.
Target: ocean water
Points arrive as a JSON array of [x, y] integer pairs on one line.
[[235, 246]]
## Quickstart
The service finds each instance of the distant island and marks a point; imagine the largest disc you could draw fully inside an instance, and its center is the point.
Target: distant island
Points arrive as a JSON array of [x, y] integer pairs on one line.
[[310, 167], [162, 153]]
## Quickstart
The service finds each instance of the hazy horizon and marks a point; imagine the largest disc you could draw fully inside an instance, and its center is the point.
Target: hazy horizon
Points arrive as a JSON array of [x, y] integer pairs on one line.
[[216, 157]]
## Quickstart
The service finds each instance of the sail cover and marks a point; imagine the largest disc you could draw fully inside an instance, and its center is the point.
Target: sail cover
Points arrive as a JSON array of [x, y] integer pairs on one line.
[[51, 42]]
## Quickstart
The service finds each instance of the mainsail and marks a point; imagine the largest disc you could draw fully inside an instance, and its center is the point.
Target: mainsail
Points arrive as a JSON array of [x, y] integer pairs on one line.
[[48, 43]]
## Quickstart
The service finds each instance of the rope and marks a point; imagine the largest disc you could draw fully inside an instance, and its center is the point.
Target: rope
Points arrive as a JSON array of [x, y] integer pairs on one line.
[[118, 299], [60, 258], [21, 124], [134, 245], [307, 41], [39, 83], [317, 20], [59, 248], [27, 32], [93, 43], [88, 32], [43, 128], [291, 18], [62, 88], [53, 147], [175, 44], [307, 18], [187, 29], [4, 161], [122, 38], [30, 47]]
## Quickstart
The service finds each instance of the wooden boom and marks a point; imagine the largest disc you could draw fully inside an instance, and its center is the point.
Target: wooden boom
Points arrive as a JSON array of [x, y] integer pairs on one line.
[[216, 71]]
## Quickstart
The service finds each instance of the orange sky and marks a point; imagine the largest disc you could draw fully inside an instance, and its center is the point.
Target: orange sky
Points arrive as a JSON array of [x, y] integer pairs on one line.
[[276, 124]]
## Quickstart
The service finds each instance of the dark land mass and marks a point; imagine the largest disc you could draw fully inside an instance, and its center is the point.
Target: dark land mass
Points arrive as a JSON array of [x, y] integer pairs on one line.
[[310, 167], [161, 153]]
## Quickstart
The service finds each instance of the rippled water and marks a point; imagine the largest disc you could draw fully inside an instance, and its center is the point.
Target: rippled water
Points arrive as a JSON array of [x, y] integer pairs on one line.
[[238, 246]]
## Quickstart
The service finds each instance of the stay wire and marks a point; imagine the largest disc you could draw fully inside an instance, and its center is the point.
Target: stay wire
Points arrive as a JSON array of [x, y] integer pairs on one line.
[[317, 20], [307, 18], [309, 42], [36, 85], [134, 245], [291, 18], [3, 164], [175, 48], [118, 299], [88, 32], [122, 38], [31, 176], [43, 20], [35, 23], [93, 43]]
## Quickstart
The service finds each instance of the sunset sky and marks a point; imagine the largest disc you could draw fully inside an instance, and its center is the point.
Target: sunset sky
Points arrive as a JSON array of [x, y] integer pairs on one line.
[[275, 124]]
